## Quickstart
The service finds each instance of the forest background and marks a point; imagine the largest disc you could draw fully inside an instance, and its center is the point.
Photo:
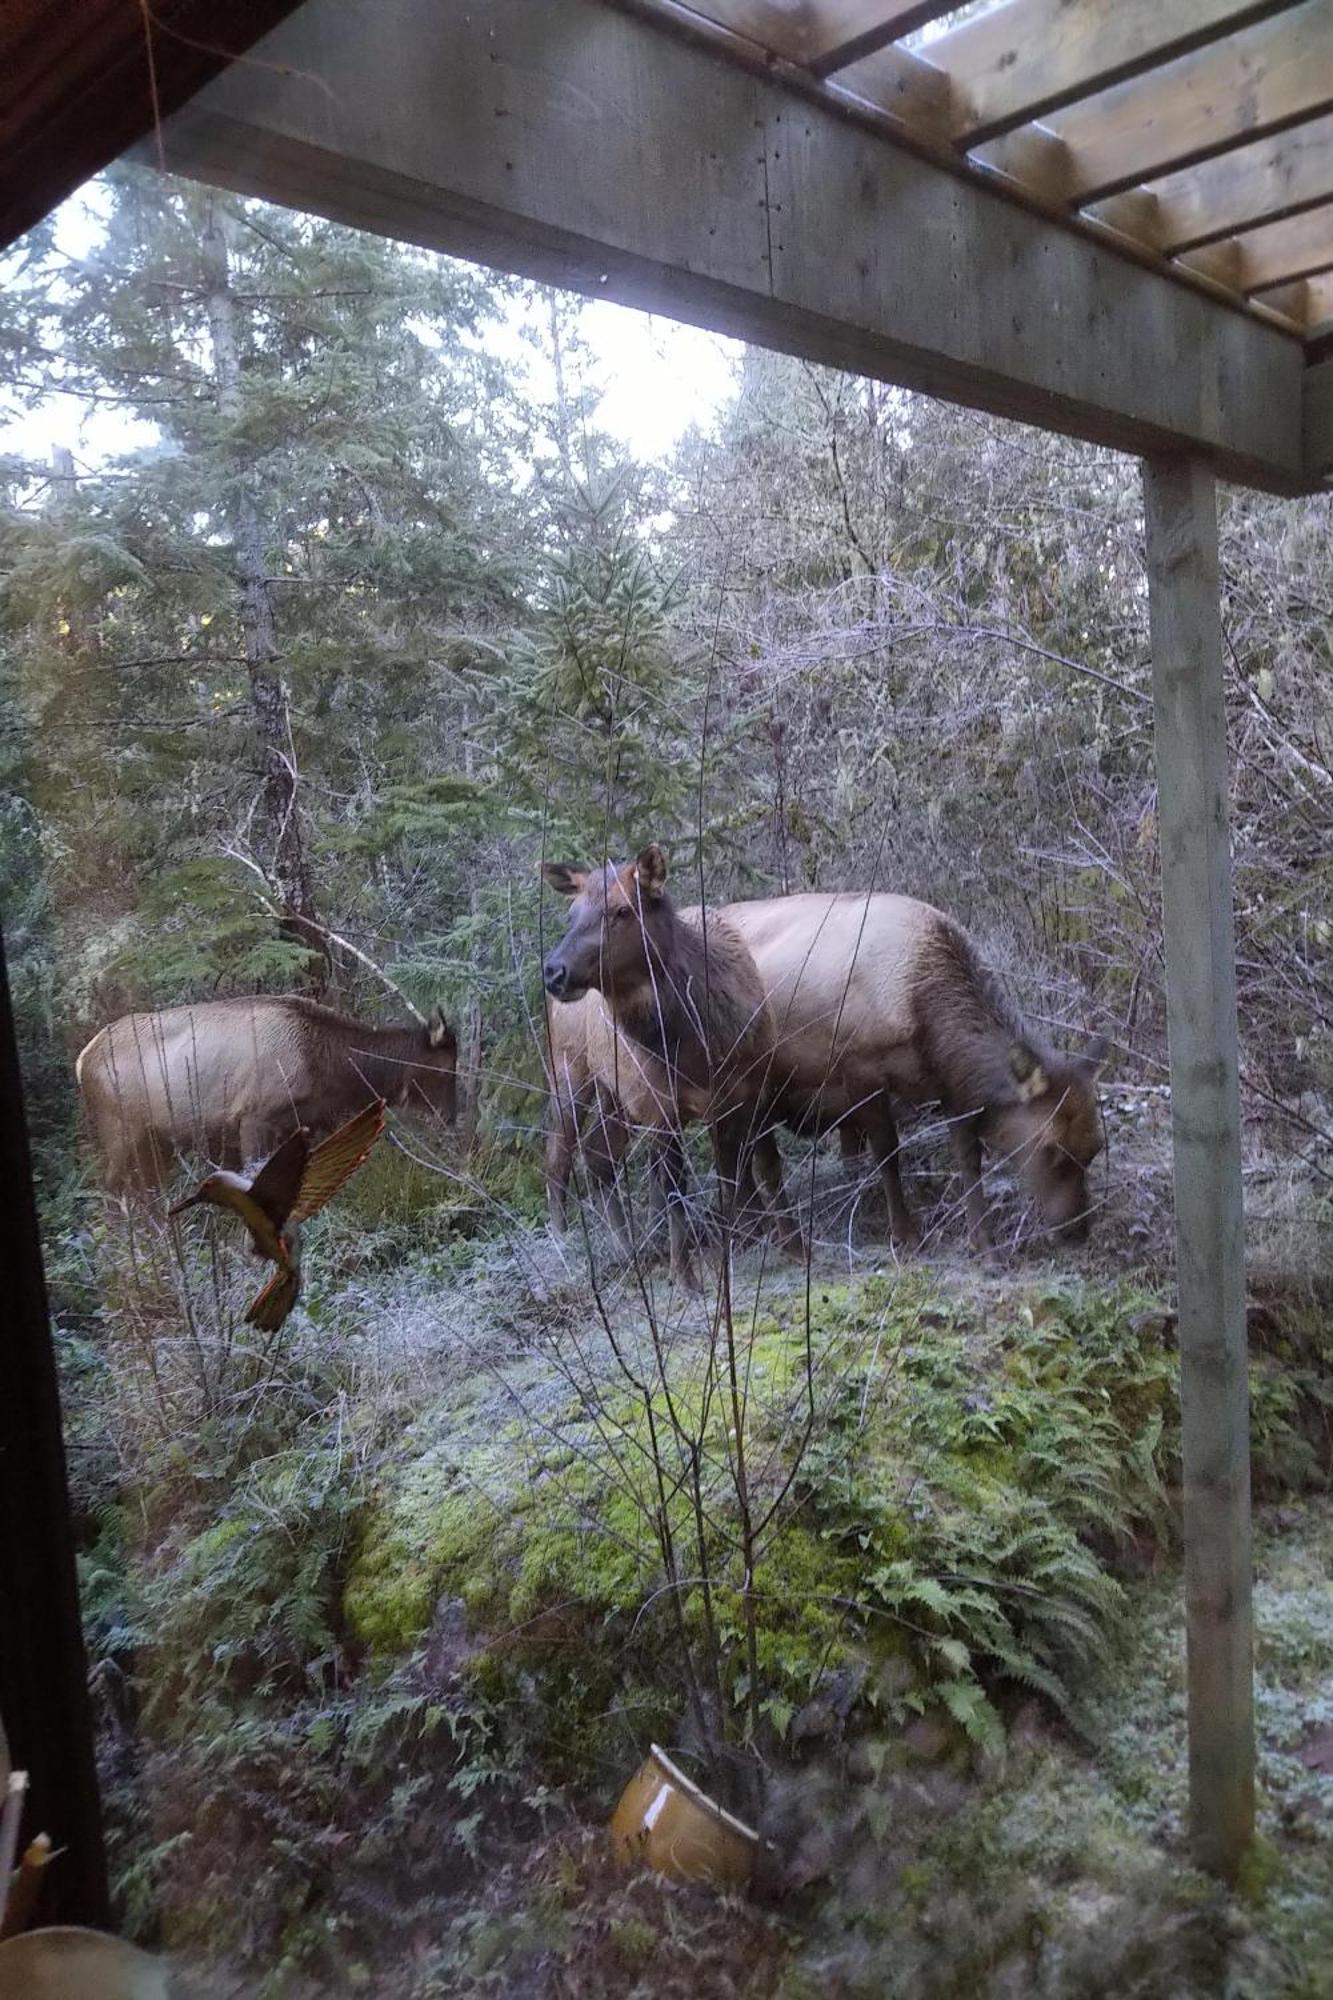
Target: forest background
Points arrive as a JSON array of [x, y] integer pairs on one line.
[[371, 628], [296, 692]]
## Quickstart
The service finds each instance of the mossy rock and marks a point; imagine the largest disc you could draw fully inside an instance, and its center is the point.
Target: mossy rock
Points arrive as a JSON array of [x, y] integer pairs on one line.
[[941, 1488]]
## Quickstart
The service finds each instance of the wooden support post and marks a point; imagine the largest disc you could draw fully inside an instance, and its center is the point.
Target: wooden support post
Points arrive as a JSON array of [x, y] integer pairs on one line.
[[1180, 512]]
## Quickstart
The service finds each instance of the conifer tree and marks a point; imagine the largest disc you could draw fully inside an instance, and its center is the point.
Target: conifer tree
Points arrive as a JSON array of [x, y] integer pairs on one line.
[[273, 606]]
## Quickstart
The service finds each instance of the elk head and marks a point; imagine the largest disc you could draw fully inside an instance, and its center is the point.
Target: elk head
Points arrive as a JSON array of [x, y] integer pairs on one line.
[[1050, 1129], [619, 920]]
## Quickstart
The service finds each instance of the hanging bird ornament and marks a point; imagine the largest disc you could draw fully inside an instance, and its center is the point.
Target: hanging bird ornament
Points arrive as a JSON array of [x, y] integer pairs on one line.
[[292, 1185]]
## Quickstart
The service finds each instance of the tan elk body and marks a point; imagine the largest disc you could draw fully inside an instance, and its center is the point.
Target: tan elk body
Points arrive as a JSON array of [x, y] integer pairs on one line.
[[231, 1079], [876, 997]]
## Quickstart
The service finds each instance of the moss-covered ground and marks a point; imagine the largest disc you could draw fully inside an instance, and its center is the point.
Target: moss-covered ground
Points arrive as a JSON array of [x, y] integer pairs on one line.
[[888, 1556]]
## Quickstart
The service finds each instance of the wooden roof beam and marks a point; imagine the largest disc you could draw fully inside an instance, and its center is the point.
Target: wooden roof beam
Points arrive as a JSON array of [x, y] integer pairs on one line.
[[729, 195], [1030, 57], [1252, 83], [911, 96], [777, 25], [1294, 248], [918, 104], [841, 31], [1306, 302], [822, 35], [1235, 190]]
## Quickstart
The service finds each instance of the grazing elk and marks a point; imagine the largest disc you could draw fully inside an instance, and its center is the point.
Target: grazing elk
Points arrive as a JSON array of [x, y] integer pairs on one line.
[[590, 1073], [878, 996], [231, 1079], [673, 1027]]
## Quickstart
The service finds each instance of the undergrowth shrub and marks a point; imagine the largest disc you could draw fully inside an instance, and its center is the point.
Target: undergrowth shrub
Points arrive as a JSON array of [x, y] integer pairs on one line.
[[952, 1534], [364, 1653]]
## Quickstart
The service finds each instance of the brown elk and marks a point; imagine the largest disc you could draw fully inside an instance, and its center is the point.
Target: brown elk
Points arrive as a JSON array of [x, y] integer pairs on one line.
[[674, 1028], [231, 1079], [878, 996]]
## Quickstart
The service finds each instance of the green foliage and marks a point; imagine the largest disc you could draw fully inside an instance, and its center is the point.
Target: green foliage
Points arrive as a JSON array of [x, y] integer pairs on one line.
[[951, 1545], [251, 1601], [605, 714], [201, 927]]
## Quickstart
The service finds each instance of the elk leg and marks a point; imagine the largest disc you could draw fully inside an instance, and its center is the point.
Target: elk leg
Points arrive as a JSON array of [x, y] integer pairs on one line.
[[879, 1126], [672, 1177], [967, 1151], [750, 1203], [604, 1148], [850, 1136], [730, 1134], [768, 1161], [562, 1138]]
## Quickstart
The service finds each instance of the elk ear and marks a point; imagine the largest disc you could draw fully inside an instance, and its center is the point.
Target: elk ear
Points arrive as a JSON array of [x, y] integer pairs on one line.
[[650, 870], [566, 881], [1093, 1056], [1027, 1073], [438, 1031]]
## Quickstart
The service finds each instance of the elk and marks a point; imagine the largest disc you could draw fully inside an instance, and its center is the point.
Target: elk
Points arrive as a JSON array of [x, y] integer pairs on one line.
[[674, 1029], [231, 1079], [877, 996]]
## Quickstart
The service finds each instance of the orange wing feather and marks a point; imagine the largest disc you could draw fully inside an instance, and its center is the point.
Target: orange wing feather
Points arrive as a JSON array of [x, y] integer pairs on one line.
[[269, 1308], [334, 1161]]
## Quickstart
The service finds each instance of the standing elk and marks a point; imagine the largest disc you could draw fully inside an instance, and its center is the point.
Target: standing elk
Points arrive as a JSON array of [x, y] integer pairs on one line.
[[231, 1079], [674, 1029], [878, 996]]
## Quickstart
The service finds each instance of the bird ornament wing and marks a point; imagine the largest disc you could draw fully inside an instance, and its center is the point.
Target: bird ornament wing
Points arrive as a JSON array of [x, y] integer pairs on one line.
[[270, 1307], [334, 1161], [277, 1185]]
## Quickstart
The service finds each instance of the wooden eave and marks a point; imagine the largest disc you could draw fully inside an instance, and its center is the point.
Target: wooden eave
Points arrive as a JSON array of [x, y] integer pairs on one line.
[[1170, 123], [80, 82], [1190, 138]]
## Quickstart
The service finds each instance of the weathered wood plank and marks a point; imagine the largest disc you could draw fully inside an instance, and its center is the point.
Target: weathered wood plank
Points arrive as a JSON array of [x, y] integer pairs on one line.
[[1294, 248], [1237, 189], [779, 25], [583, 145], [1191, 737], [842, 30], [1237, 89], [910, 91], [1319, 419], [1025, 59], [1307, 302]]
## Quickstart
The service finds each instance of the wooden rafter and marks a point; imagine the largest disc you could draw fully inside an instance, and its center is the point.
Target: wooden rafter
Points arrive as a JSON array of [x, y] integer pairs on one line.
[[1295, 248], [1254, 81], [746, 196], [822, 35], [841, 30], [904, 88], [915, 101], [1235, 190], [1306, 302], [1030, 57], [777, 25]]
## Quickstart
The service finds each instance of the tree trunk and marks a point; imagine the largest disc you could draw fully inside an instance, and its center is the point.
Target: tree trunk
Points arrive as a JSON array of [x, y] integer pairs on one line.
[[280, 833], [469, 1069]]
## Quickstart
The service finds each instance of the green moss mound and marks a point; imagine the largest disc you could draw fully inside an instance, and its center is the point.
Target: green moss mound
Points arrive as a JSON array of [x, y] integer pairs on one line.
[[942, 1489]]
